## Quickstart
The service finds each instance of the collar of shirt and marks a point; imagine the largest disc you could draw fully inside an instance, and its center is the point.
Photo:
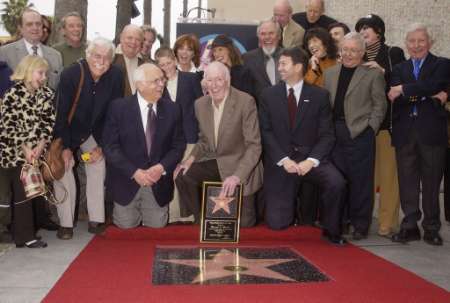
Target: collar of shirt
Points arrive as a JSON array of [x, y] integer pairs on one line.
[[297, 89], [421, 61], [192, 70], [29, 46]]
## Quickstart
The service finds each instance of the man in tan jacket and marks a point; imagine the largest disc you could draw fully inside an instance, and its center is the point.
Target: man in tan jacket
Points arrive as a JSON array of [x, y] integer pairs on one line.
[[292, 33], [228, 148]]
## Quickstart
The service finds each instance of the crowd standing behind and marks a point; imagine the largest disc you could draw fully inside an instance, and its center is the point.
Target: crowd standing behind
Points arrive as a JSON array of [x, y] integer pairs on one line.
[[314, 103]]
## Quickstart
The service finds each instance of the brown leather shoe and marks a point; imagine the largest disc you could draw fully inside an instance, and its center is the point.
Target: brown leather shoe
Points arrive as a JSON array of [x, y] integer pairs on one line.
[[65, 233], [96, 228]]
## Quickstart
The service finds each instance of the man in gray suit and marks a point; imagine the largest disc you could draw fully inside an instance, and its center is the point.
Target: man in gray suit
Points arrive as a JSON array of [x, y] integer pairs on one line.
[[357, 94], [30, 27]]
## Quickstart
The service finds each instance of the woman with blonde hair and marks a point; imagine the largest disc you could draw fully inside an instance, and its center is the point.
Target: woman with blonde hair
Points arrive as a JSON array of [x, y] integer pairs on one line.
[[27, 120]]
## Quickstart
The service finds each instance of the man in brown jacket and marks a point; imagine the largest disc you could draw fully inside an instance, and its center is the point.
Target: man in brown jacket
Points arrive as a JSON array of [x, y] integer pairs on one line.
[[228, 148]]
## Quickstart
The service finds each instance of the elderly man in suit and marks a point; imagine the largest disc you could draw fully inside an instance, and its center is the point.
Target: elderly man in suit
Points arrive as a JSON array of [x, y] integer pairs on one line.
[[292, 33], [313, 16], [30, 27], [128, 56], [228, 148], [143, 142], [357, 94], [419, 134], [298, 137], [262, 61]]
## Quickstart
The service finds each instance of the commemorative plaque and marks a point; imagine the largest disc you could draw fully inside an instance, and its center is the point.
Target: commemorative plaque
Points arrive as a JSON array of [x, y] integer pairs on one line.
[[220, 215]]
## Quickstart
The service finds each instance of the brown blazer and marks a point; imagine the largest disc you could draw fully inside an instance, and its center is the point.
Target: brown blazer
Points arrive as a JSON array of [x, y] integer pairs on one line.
[[365, 100], [119, 61], [293, 35], [238, 148]]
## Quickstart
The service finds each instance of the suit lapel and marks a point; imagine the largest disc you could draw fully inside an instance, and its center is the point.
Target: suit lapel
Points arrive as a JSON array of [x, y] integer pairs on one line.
[[209, 121], [427, 66], [21, 50], [227, 115], [160, 120], [357, 76], [303, 105], [260, 64], [334, 76], [136, 122]]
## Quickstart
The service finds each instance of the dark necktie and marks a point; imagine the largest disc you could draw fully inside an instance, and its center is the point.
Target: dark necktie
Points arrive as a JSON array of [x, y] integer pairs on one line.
[[151, 128], [292, 107], [35, 49]]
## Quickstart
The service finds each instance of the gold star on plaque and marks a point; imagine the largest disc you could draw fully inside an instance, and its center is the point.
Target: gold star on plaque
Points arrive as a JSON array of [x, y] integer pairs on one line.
[[221, 203]]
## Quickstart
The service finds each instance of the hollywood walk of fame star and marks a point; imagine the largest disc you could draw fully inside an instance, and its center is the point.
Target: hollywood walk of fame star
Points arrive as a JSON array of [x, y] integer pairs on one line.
[[226, 263], [221, 203]]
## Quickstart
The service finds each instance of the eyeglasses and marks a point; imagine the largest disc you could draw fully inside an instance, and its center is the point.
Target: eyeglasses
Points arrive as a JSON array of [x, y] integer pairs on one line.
[[351, 51]]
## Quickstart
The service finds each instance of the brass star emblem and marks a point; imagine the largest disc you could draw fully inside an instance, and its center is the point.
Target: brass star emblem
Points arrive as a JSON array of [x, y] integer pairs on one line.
[[221, 203]]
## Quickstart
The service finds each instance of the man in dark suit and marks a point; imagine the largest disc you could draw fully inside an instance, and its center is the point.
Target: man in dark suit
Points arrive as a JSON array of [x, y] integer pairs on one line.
[[313, 16], [143, 142], [262, 61], [298, 136], [419, 135]]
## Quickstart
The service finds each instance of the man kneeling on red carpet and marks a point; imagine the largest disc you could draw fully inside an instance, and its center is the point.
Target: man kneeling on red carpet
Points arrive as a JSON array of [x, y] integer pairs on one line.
[[143, 142]]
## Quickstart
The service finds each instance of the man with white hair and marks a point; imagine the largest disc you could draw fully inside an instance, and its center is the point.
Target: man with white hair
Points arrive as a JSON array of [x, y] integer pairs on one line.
[[419, 134], [101, 83], [262, 61], [143, 142], [228, 148], [292, 33], [128, 56], [357, 95], [313, 16]]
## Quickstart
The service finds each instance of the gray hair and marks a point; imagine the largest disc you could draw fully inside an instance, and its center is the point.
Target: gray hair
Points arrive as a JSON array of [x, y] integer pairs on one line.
[[139, 73], [277, 26], [100, 42], [71, 14], [414, 27], [355, 37], [222, 68]]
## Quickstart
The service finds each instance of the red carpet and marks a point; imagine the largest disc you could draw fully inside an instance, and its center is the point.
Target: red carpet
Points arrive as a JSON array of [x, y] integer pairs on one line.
[[117, 268]]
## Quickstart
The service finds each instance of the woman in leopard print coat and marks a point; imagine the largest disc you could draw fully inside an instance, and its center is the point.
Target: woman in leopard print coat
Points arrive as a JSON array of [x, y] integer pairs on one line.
[[27, 118]]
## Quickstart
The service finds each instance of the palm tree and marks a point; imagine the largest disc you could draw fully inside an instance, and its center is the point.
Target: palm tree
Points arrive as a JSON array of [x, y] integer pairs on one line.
[[11, 14]]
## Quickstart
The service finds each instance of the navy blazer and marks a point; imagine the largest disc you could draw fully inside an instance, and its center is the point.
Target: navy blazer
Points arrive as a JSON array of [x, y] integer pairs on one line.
[[93, 103], [431, 121], [188, 90], [313, 134], [126, 151]]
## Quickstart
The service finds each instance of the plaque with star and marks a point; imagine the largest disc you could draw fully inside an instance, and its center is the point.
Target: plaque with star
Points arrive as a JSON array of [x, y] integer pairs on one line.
[[220, 214]]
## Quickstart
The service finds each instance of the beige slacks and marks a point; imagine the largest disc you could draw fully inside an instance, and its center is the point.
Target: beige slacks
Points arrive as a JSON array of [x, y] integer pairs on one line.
[[95, 193]]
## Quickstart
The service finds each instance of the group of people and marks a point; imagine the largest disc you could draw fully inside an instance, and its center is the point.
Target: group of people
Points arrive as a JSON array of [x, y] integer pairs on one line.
[[314, 123]]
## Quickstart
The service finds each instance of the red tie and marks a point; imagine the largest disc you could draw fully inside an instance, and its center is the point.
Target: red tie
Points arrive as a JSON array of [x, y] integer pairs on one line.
[[292, 107]]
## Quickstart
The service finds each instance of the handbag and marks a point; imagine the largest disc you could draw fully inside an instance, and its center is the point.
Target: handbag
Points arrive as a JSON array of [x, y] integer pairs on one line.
[[55, 168]]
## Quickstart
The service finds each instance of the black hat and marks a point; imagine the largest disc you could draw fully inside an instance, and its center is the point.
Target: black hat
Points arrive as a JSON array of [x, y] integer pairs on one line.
[[373, 21], [221, 40]]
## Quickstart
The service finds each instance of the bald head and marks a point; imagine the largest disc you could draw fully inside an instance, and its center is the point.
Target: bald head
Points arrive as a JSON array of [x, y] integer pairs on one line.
[[131, 40], [217, 81], [314, 9], [282, 12], [149, 81]]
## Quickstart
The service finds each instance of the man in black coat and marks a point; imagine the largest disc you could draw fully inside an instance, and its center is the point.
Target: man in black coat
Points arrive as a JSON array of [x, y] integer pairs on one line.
[[298, 136], [419, 135], [313, 16]]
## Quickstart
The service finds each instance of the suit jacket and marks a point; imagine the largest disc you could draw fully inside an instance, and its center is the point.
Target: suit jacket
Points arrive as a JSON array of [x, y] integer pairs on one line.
[[95, 97], [255, 62], [313, 134], [365, 99], [431, 121], [323, 22], [238, 148], [119, 61], [125, 148], [14, 52], [293, 35], [188, 90]]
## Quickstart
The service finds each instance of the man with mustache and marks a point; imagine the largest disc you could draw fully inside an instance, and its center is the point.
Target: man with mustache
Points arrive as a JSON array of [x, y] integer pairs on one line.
[[101, 84]]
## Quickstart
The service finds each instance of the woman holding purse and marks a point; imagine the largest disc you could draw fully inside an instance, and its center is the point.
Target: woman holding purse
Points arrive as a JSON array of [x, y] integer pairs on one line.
[[27, 120]]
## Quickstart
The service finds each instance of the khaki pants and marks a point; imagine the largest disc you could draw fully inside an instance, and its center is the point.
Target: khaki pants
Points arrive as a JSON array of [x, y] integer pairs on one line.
[[95, 193], [386, 180]]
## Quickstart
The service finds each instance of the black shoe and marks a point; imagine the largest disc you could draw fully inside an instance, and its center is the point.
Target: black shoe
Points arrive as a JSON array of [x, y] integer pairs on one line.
[[49, 225], [96, 228], [346, 228], [406, 235], [334, 239], [358, 235], [65, 233], [33, 244], [432, 238]]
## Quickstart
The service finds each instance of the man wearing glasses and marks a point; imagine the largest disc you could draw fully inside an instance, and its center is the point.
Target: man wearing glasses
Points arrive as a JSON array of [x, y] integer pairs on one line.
[[143, 142], [357, 95]]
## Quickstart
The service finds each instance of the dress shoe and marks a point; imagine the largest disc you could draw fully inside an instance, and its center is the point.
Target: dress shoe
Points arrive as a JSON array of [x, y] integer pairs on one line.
[[33, 244], [406, 235], [65, 233], [49, 225], [96, 228], [432, 238], [334, 239], [359, 235]]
